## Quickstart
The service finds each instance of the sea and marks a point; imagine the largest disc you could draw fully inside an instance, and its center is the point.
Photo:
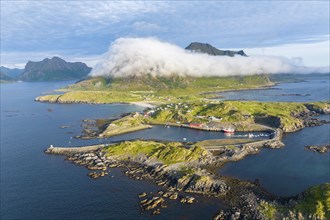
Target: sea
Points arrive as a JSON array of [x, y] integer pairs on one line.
[[35, 185]]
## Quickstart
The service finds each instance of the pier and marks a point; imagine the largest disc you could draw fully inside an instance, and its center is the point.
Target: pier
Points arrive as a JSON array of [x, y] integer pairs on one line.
[[74, 150]]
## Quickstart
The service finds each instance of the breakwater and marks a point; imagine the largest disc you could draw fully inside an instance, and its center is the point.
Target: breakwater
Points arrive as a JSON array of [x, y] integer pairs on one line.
[[274, 142], [74, 150]]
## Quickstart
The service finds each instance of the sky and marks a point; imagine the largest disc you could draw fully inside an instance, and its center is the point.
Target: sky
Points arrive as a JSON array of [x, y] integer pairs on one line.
[[84, 30]]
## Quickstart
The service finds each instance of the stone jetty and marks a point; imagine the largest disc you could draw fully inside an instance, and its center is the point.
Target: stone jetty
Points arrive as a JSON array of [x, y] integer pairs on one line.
[[73, 150]]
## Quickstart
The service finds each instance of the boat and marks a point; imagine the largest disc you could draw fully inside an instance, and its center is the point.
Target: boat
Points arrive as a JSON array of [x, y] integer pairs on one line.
[[228, 130]]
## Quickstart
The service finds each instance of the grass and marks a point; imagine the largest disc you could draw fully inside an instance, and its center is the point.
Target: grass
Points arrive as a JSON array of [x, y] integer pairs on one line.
[[167, 153], [98, 97], [276, 114], [48, 98], [268, 210], [159, 89], [316, 202], [126, 124], [243, 115]]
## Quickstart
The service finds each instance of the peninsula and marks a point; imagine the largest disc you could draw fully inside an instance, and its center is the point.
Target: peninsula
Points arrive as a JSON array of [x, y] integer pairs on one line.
[[186, 166]]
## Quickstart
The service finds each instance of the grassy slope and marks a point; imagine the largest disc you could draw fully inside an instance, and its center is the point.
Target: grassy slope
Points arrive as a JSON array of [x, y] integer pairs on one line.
[[160, 89], [125, 125], [235, 111], [242, 114], [315, 204], [316, 201], [168, 153]]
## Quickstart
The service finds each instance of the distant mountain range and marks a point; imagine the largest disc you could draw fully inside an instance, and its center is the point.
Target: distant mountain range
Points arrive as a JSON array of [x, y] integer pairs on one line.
[[54, 69], [12, 73], [209, 49], [4, 77]]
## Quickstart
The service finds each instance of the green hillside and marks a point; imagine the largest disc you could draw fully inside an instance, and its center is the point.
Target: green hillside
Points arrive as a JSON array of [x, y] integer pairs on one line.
[[154, 89]]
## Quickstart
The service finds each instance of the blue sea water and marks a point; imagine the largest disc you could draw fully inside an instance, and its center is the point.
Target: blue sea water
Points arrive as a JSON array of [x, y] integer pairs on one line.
[[35, 185], [309, 90], [291, 169]]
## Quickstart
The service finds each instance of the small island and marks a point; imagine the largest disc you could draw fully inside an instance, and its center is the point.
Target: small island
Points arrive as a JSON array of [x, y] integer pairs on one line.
[[189, 167], [319, 148]]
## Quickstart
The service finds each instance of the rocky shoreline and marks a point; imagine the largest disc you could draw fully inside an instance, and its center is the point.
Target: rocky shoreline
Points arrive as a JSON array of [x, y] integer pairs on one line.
[[319, 148], [197, 179], [200, 182], [245, 199]]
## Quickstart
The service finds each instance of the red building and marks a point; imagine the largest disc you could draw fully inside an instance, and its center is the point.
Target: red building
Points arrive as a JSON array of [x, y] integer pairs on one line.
[[195, 125]]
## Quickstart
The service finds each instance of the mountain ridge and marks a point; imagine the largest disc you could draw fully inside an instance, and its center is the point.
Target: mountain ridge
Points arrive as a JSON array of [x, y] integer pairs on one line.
[[209, 49], [12, 73], [5, 77], [54, 69]]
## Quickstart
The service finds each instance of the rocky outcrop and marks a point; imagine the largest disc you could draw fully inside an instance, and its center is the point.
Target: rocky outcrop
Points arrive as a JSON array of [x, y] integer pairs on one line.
[[318, 109], [312, 122], [319, 148], [209, 49], [270, 121]]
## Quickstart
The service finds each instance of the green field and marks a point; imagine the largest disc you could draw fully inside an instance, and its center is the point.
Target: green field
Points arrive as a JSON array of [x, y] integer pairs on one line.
[[314, 203], [155, 89], [275, 114], [167, 153]]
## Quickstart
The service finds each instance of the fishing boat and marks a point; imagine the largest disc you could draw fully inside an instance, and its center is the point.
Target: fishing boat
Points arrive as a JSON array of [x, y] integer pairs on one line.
[[228, 130]]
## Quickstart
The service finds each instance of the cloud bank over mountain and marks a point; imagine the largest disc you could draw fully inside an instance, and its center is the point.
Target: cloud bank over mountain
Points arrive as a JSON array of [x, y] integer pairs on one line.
[[140, 56]]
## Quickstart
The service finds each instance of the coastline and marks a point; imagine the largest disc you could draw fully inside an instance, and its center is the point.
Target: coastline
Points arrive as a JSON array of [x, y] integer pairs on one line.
[[144, 104], [142, 167], [244, 197]]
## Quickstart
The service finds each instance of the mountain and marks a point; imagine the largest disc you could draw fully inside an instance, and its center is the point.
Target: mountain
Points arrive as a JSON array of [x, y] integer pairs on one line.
[[209, 49], [54, 69], [13, 73], [4, 77]]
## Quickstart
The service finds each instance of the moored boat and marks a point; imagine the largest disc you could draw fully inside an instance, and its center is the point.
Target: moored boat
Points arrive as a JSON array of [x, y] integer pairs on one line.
[[228, 130]]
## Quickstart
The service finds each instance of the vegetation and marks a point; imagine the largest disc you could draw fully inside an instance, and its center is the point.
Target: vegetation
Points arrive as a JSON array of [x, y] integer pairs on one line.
[[316, 201], [276, 114], [98, 97], [167, 153], [242, 115], [156, 89], [314, 204], [48, 98], [269, 210], [126, 124]]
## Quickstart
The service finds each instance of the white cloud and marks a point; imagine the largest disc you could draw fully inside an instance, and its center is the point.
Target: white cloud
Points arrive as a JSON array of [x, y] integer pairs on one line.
[[312, 54], [141, 56], [91, 25]]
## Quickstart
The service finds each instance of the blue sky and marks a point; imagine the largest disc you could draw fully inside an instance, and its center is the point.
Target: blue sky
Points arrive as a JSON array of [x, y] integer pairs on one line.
[[83, 30]]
